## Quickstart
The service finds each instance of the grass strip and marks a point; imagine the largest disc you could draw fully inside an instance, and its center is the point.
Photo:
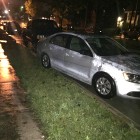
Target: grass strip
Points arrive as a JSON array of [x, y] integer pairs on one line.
[[63, 108]]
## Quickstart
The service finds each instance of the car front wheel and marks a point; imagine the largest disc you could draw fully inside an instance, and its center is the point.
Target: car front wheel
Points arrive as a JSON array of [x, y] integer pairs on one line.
[[104, 86], [45, 60]]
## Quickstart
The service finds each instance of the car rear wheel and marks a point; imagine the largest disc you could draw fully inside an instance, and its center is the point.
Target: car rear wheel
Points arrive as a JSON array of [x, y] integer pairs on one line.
[[45, 60], [104, 86]]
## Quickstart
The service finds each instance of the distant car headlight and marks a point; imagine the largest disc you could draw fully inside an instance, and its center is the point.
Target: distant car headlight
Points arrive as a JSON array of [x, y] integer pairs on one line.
[[131, 77]]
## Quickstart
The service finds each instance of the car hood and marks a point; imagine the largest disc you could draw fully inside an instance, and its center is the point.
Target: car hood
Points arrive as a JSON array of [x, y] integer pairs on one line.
[[128, 62]]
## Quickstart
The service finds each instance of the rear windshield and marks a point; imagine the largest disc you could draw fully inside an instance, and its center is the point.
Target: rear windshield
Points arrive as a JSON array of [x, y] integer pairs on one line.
[[42, 24]]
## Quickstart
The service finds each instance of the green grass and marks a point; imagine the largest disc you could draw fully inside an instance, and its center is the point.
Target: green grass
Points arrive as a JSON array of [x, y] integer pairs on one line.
[[64, 110]]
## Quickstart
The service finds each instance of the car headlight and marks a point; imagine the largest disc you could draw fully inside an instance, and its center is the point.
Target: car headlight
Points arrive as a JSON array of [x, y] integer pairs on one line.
[[132, 77]]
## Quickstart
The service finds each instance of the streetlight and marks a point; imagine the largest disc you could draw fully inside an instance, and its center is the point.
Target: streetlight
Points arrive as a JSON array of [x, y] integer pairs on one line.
[[21, 8], [6, 11], [119, 22]]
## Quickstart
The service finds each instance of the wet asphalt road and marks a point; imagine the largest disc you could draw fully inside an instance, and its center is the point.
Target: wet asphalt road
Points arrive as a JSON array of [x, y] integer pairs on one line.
[[6, 70], [129, 108]]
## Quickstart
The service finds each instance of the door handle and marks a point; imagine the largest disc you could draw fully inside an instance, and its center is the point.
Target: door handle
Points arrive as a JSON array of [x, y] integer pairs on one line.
[[67, 54]]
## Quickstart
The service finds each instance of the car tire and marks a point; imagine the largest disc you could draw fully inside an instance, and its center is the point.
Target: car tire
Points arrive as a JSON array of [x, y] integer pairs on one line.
[[45, 60], [104, 86]]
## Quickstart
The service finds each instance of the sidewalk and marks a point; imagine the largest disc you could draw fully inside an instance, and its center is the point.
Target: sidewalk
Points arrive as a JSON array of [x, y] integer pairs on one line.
[[12, 104]]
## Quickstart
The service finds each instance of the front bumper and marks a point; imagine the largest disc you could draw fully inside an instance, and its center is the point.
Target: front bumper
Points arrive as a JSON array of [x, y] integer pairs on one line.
[[128, 89]]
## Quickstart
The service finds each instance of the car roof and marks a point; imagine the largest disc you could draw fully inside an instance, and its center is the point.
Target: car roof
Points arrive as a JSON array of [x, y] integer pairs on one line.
[[42, 20], [83, 35]]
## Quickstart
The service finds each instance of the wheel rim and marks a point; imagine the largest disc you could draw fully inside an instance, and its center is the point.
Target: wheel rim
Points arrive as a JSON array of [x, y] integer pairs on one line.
[[103, 86], [45, 61]]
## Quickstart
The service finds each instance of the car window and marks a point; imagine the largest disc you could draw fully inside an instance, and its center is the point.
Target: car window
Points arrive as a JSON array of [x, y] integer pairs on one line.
[[44, 24], [75, 45], [106, 46], [80, 46], [59, 40], [14, 25]]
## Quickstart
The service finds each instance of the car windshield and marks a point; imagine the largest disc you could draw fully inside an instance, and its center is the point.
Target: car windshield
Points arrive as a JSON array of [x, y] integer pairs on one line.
[[14, 25], [106, 46]]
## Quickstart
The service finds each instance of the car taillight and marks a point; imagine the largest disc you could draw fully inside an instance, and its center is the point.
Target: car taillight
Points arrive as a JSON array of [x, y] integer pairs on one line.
[[40, 37]]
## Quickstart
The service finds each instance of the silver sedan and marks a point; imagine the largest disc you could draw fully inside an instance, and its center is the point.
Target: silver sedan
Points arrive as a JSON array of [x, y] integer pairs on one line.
[[96, 60]]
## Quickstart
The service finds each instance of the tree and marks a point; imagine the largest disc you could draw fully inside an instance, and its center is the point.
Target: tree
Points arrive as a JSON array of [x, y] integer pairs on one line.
[[30, 8], [37, 8], [86, 11], [67, 9]]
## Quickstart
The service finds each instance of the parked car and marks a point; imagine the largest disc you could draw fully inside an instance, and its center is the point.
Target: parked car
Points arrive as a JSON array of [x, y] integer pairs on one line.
[[94, 59], [13, 28], [4, 37], [38, 29], [3, 23], [133, 33]]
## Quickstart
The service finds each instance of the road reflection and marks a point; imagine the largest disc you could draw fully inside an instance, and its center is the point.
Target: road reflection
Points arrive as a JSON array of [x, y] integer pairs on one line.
[[18, 39], [7, 84], [7, 73]]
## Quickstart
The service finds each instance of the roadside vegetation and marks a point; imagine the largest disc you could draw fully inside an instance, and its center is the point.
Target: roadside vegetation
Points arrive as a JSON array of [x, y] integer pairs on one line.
[[64, 110]]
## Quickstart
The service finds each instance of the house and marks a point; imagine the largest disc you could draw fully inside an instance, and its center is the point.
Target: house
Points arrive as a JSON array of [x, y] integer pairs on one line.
[[132, 18]]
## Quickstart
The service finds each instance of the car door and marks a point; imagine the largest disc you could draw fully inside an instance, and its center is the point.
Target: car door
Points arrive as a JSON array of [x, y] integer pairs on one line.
[[78, 58], [27, 33], [57, 49]]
